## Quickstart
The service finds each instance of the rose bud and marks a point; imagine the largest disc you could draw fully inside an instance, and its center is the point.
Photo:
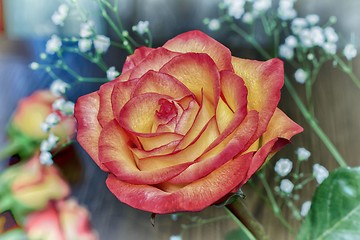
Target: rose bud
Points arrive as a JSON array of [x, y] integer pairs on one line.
[[185, 124], [30, 186], [59, 221]]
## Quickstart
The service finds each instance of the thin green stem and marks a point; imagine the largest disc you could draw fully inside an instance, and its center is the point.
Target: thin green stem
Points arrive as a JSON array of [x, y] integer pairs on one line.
[[274, 205], [241, 225], [246, 220], [10, 149], [346, 69]]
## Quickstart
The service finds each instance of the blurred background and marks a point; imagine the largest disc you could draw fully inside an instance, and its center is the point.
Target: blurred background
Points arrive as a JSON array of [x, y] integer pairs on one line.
[[25, 26]]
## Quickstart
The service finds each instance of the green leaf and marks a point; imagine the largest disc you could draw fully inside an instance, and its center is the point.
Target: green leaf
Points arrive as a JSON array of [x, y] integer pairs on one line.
[[236, 234], [335, 210]]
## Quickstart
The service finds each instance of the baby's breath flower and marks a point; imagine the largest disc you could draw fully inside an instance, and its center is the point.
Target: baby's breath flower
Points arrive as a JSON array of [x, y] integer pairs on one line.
[[329, 48], [34, 65], [142, 27], [52, 140], [305, 207], [331, 35], [101, 43], [53, 44], [86, 29], [68, 108], [84, 45], [52, 119], [45, 146], [350, 51], [175, 237], [291, 41], [235, 8], [261, 5], [286, 52], [46, 158], [58, 87], [298, 24], [306, 38], [111, 73], [300, 76], [312, 19], [283, 167], [45, 127], [317, 36], [60, 15], [58, 104], [320, 173], [286, 10], [248, 18], [286, 186], [214, 24], [302, 154]]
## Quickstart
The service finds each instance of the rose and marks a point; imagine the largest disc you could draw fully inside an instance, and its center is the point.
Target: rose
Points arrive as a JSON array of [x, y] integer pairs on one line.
[[25, 127], [30, 186], [185, 124], [59, 221]]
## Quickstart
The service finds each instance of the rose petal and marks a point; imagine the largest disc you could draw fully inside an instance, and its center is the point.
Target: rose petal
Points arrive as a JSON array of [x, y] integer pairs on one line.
[[114, 152], [121, 95], [189, 154], [106, 114], [263, 81], [198, 42], [228, 147], [193, 197], [88, 132], [187, 118], [153, 141], [153, 61], [163, 150], [161, 83], [198, 72], [134, 59]]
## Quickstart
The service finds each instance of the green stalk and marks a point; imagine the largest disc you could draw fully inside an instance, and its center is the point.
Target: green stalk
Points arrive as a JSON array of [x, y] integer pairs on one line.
[[247, 222], [10, 149]]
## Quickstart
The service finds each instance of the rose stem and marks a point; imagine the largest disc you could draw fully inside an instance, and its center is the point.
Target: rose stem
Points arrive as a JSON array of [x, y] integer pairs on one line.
[[307, 115], [246, 220], [10, 149]]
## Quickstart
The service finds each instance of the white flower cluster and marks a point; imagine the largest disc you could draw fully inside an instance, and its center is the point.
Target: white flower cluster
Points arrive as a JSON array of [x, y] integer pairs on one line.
[[286, 9], [237, 9], [88, 38], [111, 73], [60, 15], [45, 148], [53, 45]]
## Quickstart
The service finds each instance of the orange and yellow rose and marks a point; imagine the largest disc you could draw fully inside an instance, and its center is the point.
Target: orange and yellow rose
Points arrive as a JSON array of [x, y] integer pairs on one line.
[[185, 124]]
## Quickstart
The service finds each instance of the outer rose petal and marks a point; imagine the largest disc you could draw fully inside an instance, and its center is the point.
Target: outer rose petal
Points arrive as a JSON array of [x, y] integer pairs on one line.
[[86, 111], [193, 197], [114, 152], [153, 61], [280, 130], [134, 59], [106, 114], [198, 42], [263, 81]]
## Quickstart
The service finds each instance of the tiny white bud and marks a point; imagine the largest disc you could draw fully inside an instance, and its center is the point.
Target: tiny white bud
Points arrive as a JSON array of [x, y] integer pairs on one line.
[[291, 41], [302, 154], [52, 119], [248, 18], [312, 19], [68, 108], [286, 186], [111, 73], [214, 24], [101, 43], [86, 29], [46, 158], [45, 146], [53, 44], [320, 173], [58, 104], [34, 65], [58, 87], [286, 52], [84, 44], [141, 27], [175, 237], [305, 207], [350, 51], [52, 140], [45, 127], [300, 76], [283, 167]]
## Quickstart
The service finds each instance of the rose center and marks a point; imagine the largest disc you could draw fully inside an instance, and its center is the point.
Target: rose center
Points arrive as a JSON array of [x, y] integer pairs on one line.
[[167, 110]]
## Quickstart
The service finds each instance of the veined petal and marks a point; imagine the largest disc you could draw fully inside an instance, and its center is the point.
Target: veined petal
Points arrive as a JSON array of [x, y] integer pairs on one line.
[[226, 149], [198, 72], [134, 59], [114, 152], [153, 61], [193, 197], [106, 114], [263, 81], [189, 154], [161, 83], [153, 141], [88, 132], [198, 42]]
